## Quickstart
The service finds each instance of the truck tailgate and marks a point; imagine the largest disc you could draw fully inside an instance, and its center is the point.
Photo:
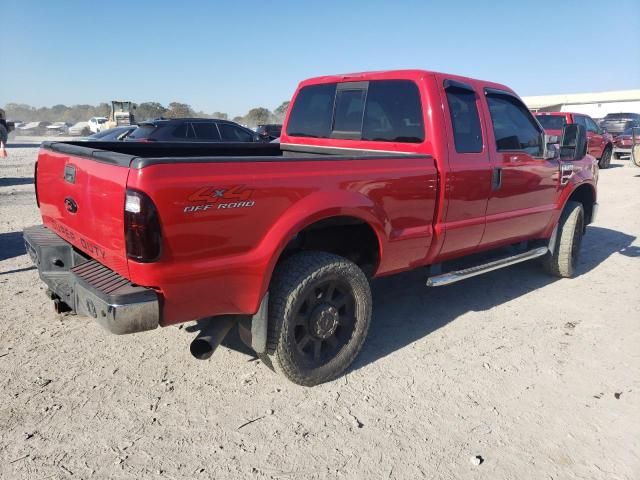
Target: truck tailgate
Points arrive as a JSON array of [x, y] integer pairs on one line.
[[82, 200]]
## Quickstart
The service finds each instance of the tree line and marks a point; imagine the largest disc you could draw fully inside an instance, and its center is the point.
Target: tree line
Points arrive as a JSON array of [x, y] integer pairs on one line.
[[143, 111]]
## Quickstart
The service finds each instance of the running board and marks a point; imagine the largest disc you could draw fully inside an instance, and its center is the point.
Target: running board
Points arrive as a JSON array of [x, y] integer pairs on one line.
[[457, 275]]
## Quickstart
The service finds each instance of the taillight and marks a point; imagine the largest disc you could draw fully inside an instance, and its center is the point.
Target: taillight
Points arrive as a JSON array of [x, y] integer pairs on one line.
[[142, 234], [35, 182]]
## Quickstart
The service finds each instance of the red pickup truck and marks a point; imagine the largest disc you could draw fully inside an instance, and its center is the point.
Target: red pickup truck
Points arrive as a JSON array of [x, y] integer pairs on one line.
[[376, 173], [601, 143]]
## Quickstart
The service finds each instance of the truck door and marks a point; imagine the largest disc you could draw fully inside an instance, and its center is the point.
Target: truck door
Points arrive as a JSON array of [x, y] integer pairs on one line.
[[468, 179], [524, 184], [595, 139]]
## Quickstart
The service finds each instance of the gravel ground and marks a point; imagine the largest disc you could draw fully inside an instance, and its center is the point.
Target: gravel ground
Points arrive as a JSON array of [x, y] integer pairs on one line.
[[538, 377]]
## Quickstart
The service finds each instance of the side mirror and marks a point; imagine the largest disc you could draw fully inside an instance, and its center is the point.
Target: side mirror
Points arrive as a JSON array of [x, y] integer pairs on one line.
[[552, 147], [573, 145]]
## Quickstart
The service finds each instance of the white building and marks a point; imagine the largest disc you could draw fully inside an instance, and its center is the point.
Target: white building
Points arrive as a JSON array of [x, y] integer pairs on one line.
[[596, 105]]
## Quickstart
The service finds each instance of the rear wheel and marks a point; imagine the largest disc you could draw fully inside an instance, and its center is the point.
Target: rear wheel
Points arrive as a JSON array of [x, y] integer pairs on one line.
[[563, 260], [605, 159], [319, 313]]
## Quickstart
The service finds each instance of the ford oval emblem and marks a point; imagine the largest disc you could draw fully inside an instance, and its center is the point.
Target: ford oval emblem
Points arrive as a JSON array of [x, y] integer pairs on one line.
[[71, 205]]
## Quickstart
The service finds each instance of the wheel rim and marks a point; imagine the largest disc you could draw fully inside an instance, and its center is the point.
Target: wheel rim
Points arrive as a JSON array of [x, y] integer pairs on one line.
[[324, 321]]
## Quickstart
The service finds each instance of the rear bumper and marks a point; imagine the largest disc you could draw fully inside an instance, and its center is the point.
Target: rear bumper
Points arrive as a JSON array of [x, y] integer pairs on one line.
[[89, 288], [622, 151]]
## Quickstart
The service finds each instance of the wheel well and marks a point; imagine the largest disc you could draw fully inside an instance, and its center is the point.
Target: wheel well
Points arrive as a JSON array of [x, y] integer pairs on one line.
[[348, 237], [585, 195]]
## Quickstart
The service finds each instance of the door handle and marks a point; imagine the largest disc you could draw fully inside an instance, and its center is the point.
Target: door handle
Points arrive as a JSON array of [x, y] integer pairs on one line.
[[496, 178]]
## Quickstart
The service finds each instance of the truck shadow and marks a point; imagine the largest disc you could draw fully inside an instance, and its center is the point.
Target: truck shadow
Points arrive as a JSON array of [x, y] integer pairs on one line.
[[10, 181], [11, 245], [406, 311]]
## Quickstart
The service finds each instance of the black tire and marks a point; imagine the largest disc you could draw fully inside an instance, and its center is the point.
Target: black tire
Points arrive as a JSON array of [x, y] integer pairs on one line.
[[605, 159], [562, 261], [319, 314]]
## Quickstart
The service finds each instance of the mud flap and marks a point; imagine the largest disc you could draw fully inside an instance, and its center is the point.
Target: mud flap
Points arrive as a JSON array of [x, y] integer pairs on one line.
[[253, 329]]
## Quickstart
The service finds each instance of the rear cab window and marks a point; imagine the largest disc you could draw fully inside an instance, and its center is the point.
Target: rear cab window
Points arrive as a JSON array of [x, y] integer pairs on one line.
[[552, 122], [376, 110]]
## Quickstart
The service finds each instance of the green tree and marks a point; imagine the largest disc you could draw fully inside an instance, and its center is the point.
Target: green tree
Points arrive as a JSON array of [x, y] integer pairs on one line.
[[258, 115], [149, 111], [280, 112], [179, 110]]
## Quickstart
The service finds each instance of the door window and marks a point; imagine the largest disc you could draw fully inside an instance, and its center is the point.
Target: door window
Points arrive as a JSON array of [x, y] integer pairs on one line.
[[579, 120], [231, 133], [591, 125], [465, 120], [513, 125], [183, 132], [206, 131]]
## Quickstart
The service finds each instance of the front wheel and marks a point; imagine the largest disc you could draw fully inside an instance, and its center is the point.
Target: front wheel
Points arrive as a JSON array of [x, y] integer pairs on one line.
[[319, 313], [605, 159], [562, 261]]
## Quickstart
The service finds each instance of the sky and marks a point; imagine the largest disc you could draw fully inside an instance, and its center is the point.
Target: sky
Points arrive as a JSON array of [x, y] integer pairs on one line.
[[232, 56]]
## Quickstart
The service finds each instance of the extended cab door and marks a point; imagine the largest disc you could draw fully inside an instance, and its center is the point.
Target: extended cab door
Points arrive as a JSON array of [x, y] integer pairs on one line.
[[524, 184], [468, 179]]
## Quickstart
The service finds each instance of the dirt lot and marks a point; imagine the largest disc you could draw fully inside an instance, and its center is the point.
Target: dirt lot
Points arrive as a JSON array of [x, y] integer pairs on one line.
[[539, 377]]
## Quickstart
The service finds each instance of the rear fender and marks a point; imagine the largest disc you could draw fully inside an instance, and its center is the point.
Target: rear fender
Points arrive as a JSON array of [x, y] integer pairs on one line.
[[317, 207]]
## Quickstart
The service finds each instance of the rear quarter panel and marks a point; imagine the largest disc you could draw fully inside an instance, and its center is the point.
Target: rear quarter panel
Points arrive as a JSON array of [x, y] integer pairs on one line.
[[219, 260]]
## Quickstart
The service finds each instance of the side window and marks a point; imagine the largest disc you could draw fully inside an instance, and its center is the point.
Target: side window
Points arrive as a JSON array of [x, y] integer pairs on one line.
[[513, 125], [231, 133], [465, 120], [183, 132], [591, 125], [579, 120], [312, 111], [206, 131], [393, 112], [348, 111]]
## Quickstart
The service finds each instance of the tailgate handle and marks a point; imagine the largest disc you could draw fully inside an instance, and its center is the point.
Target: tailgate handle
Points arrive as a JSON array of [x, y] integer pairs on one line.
[[70, 173]]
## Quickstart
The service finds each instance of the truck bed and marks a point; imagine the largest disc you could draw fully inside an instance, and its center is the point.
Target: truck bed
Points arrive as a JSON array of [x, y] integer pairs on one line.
[[228, 210]]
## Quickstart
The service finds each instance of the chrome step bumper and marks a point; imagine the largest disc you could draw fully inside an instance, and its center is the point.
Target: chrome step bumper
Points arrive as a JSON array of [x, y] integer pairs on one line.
[[89, 288]]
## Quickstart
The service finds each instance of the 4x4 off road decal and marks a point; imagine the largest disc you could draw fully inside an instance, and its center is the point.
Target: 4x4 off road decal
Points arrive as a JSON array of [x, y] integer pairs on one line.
[[208, 198]]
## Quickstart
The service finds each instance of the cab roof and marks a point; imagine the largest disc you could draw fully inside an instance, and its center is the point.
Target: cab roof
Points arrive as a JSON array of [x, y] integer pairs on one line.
[[411, 74]]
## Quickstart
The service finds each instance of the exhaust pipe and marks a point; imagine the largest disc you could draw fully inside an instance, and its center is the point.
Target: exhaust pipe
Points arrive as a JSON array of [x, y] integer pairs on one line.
[[209, 338]]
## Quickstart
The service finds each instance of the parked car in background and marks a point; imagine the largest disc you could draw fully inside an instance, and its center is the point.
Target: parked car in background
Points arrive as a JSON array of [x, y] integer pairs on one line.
[[112, 135], [270, 131], [33, 128], [97, 124], [617, 123], [80, 129], [624, 142], [192, 130], [600, 142], [57, 128]]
